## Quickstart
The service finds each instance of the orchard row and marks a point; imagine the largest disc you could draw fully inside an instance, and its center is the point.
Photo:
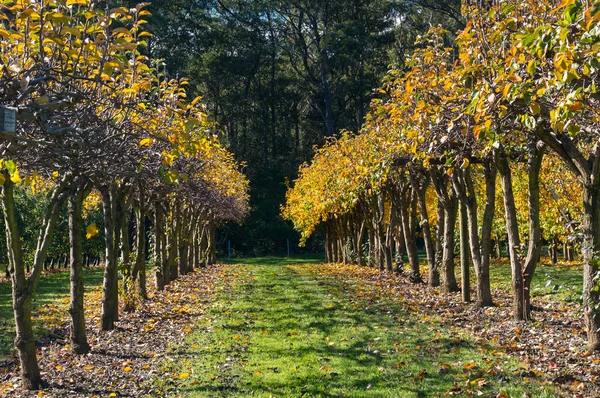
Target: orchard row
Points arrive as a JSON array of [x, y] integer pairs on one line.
[[495, 136], [94, 114]]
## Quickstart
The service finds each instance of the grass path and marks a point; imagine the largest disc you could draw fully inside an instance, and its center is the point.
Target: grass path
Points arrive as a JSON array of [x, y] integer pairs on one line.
[[288, 331]]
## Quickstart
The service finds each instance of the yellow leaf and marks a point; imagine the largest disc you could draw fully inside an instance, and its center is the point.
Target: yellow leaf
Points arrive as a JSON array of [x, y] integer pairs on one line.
[[91, 231], [127, 369], [14, 177], [506, 90], [515, 78], [112, 394], [184, 375], [146, 142], [74, 2], [167, 159], [535, 108], [58, 367], [576, 106], [70, 30], [465, 163]]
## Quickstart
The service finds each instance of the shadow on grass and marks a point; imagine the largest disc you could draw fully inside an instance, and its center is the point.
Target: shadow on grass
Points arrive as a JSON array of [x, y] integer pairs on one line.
[[375, 350]]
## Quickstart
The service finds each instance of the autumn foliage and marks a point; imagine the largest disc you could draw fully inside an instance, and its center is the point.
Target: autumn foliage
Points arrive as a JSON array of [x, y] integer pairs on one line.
[[493, 138], [95, 113]]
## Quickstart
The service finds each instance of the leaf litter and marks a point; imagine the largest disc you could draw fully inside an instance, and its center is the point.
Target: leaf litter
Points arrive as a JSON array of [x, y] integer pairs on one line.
[[124, 362]]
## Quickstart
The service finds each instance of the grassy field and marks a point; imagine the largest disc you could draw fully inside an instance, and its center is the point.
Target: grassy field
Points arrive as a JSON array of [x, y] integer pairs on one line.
[[561, 282], [287, 331], [52, 288]]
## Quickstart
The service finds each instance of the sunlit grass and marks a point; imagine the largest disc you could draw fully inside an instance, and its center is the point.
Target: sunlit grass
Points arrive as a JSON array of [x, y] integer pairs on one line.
[[289, 332]]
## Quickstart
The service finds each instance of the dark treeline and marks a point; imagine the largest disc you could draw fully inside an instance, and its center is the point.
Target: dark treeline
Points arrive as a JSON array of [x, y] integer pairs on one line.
[[280, 76]]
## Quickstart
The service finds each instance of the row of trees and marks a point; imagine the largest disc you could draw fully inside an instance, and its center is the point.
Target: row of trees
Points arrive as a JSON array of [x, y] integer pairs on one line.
[[509, 112], [95, 114]]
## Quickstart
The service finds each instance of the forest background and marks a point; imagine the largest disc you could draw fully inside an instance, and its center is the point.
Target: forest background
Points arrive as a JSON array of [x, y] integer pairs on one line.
[[280, 77]]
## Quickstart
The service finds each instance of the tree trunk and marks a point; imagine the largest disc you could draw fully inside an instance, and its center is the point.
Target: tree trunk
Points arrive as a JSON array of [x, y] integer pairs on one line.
[[328, 256], [553, 252], [129, 295], [570, 252], [448, 201], [212, 240], [434, 274], [448, 277], [79, 343], [24, 289], [480, 248], [328, 98], [534, 164], [24, 339], [439, 245], [358, 241], [182, 222], [110, 293], [590, 250], [519, 311], [172, 244], [409, 234], [139, 269], [389, 260], [159, 232], [465, 283]]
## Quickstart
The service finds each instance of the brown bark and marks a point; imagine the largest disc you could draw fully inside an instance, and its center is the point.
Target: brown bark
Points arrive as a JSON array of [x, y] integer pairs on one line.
[[110, 293], [78, 337], [407, 218], [23, 288], [127, 267], [449, 203], [480, 249], [465, 283], [434, 277], [139, 268], [182, 221], [421, 190], [522, 269], [172, 245], [534, 249], [159, 232], [591, 248], [328, 257]]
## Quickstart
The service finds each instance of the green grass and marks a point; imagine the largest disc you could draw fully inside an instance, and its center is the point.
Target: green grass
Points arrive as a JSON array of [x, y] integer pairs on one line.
[[52, 287], [307, 259], [560, 282], [284, 333]]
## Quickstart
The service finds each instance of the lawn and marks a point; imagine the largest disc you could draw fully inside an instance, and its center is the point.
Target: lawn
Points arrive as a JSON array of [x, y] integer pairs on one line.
[[286, 331], [560, 282]]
